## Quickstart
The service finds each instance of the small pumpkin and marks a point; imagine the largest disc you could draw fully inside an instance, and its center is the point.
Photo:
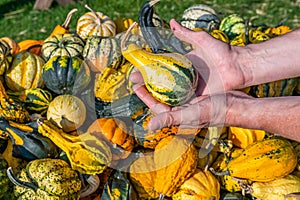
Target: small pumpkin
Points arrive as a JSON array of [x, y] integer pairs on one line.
[[101, 52], [203, 185], [122, 24], [11, 44], [35, 100], [5, 58], [46, 179], [66, 75], [68, 112], [95, 24], [159, 173], [62, 45], [25, 72], [242, 137], [200, 16], [232, 25], [33, 46], [117, 133]]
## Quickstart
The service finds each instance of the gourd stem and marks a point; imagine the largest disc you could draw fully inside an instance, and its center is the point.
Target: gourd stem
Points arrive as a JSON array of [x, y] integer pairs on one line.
[[161, 196], [68, 18], [95, 13], [153, 2], [123, 41], [219, 173], [18, 182]]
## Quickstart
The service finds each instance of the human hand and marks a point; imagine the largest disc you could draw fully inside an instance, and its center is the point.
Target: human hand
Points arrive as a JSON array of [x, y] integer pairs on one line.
[[212, 59], [202, 111]]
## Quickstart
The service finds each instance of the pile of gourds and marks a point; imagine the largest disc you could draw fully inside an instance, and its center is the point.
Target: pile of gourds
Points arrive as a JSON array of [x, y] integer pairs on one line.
[[73, 128]]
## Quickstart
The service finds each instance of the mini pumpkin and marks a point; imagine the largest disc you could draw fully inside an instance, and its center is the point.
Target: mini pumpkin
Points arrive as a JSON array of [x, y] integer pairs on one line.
[[159, 173], [25, 72], [68, 112], [117, 133], [62, 45], [46, 179], [101, 52], [66, 75], [203, 185], [200, 16], [95, 24]]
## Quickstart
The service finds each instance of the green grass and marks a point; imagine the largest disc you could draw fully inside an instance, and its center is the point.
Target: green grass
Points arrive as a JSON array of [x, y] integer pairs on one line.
[[19, 21]]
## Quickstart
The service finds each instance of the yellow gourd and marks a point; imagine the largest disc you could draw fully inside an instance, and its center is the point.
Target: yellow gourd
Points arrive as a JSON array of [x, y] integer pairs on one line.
[[169, 77]]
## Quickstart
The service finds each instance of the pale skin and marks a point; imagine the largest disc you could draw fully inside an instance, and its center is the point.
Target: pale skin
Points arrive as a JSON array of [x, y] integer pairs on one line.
[[223, 69]]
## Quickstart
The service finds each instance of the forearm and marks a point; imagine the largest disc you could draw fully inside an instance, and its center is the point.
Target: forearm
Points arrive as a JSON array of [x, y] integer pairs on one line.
[[278, 115], [275, 59]]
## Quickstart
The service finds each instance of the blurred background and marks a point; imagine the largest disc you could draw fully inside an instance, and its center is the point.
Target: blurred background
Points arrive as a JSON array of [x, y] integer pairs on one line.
[[19, 20]]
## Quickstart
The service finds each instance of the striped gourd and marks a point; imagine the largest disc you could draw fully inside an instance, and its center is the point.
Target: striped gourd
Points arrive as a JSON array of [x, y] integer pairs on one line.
[[95, 24], [200, 16], [62, 45], [25, 72], [283, 87], [169, 77], [232, 25], [35, 100], [101, 52]]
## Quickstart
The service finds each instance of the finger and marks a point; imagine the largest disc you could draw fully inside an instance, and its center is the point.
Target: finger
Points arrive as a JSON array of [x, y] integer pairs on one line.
[[185, 34], [154, 105], [136, 77], [186, 117]]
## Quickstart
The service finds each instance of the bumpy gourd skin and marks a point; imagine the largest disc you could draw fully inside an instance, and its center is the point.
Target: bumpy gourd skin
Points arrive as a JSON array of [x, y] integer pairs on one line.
[[52, 179], [11, 110]]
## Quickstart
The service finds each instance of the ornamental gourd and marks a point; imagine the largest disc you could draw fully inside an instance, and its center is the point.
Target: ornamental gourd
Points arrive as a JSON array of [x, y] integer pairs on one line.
[[101, 52], [11, 110], [232, 25], [27, 143], [86, 153], [35, 100], [95, 24], [67, 111], [159, 173], [112, 84], [278, 189], [203, 185], [242, 137], [116, 132], [169, 77], [200, 16], [62, 45], [46, 178], [25, 72], [11, 44], [4, 180], [263, 160], [5, 58], [66, 75]]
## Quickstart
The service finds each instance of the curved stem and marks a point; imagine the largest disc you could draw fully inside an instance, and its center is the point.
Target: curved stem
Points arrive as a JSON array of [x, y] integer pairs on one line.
[[18, 182], [94, 12], [68, 18], [123, 41], [219, 173]]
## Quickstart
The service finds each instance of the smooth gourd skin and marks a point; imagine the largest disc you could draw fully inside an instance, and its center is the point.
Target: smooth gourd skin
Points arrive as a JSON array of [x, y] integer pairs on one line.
[[264, 160], [169, 77]]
